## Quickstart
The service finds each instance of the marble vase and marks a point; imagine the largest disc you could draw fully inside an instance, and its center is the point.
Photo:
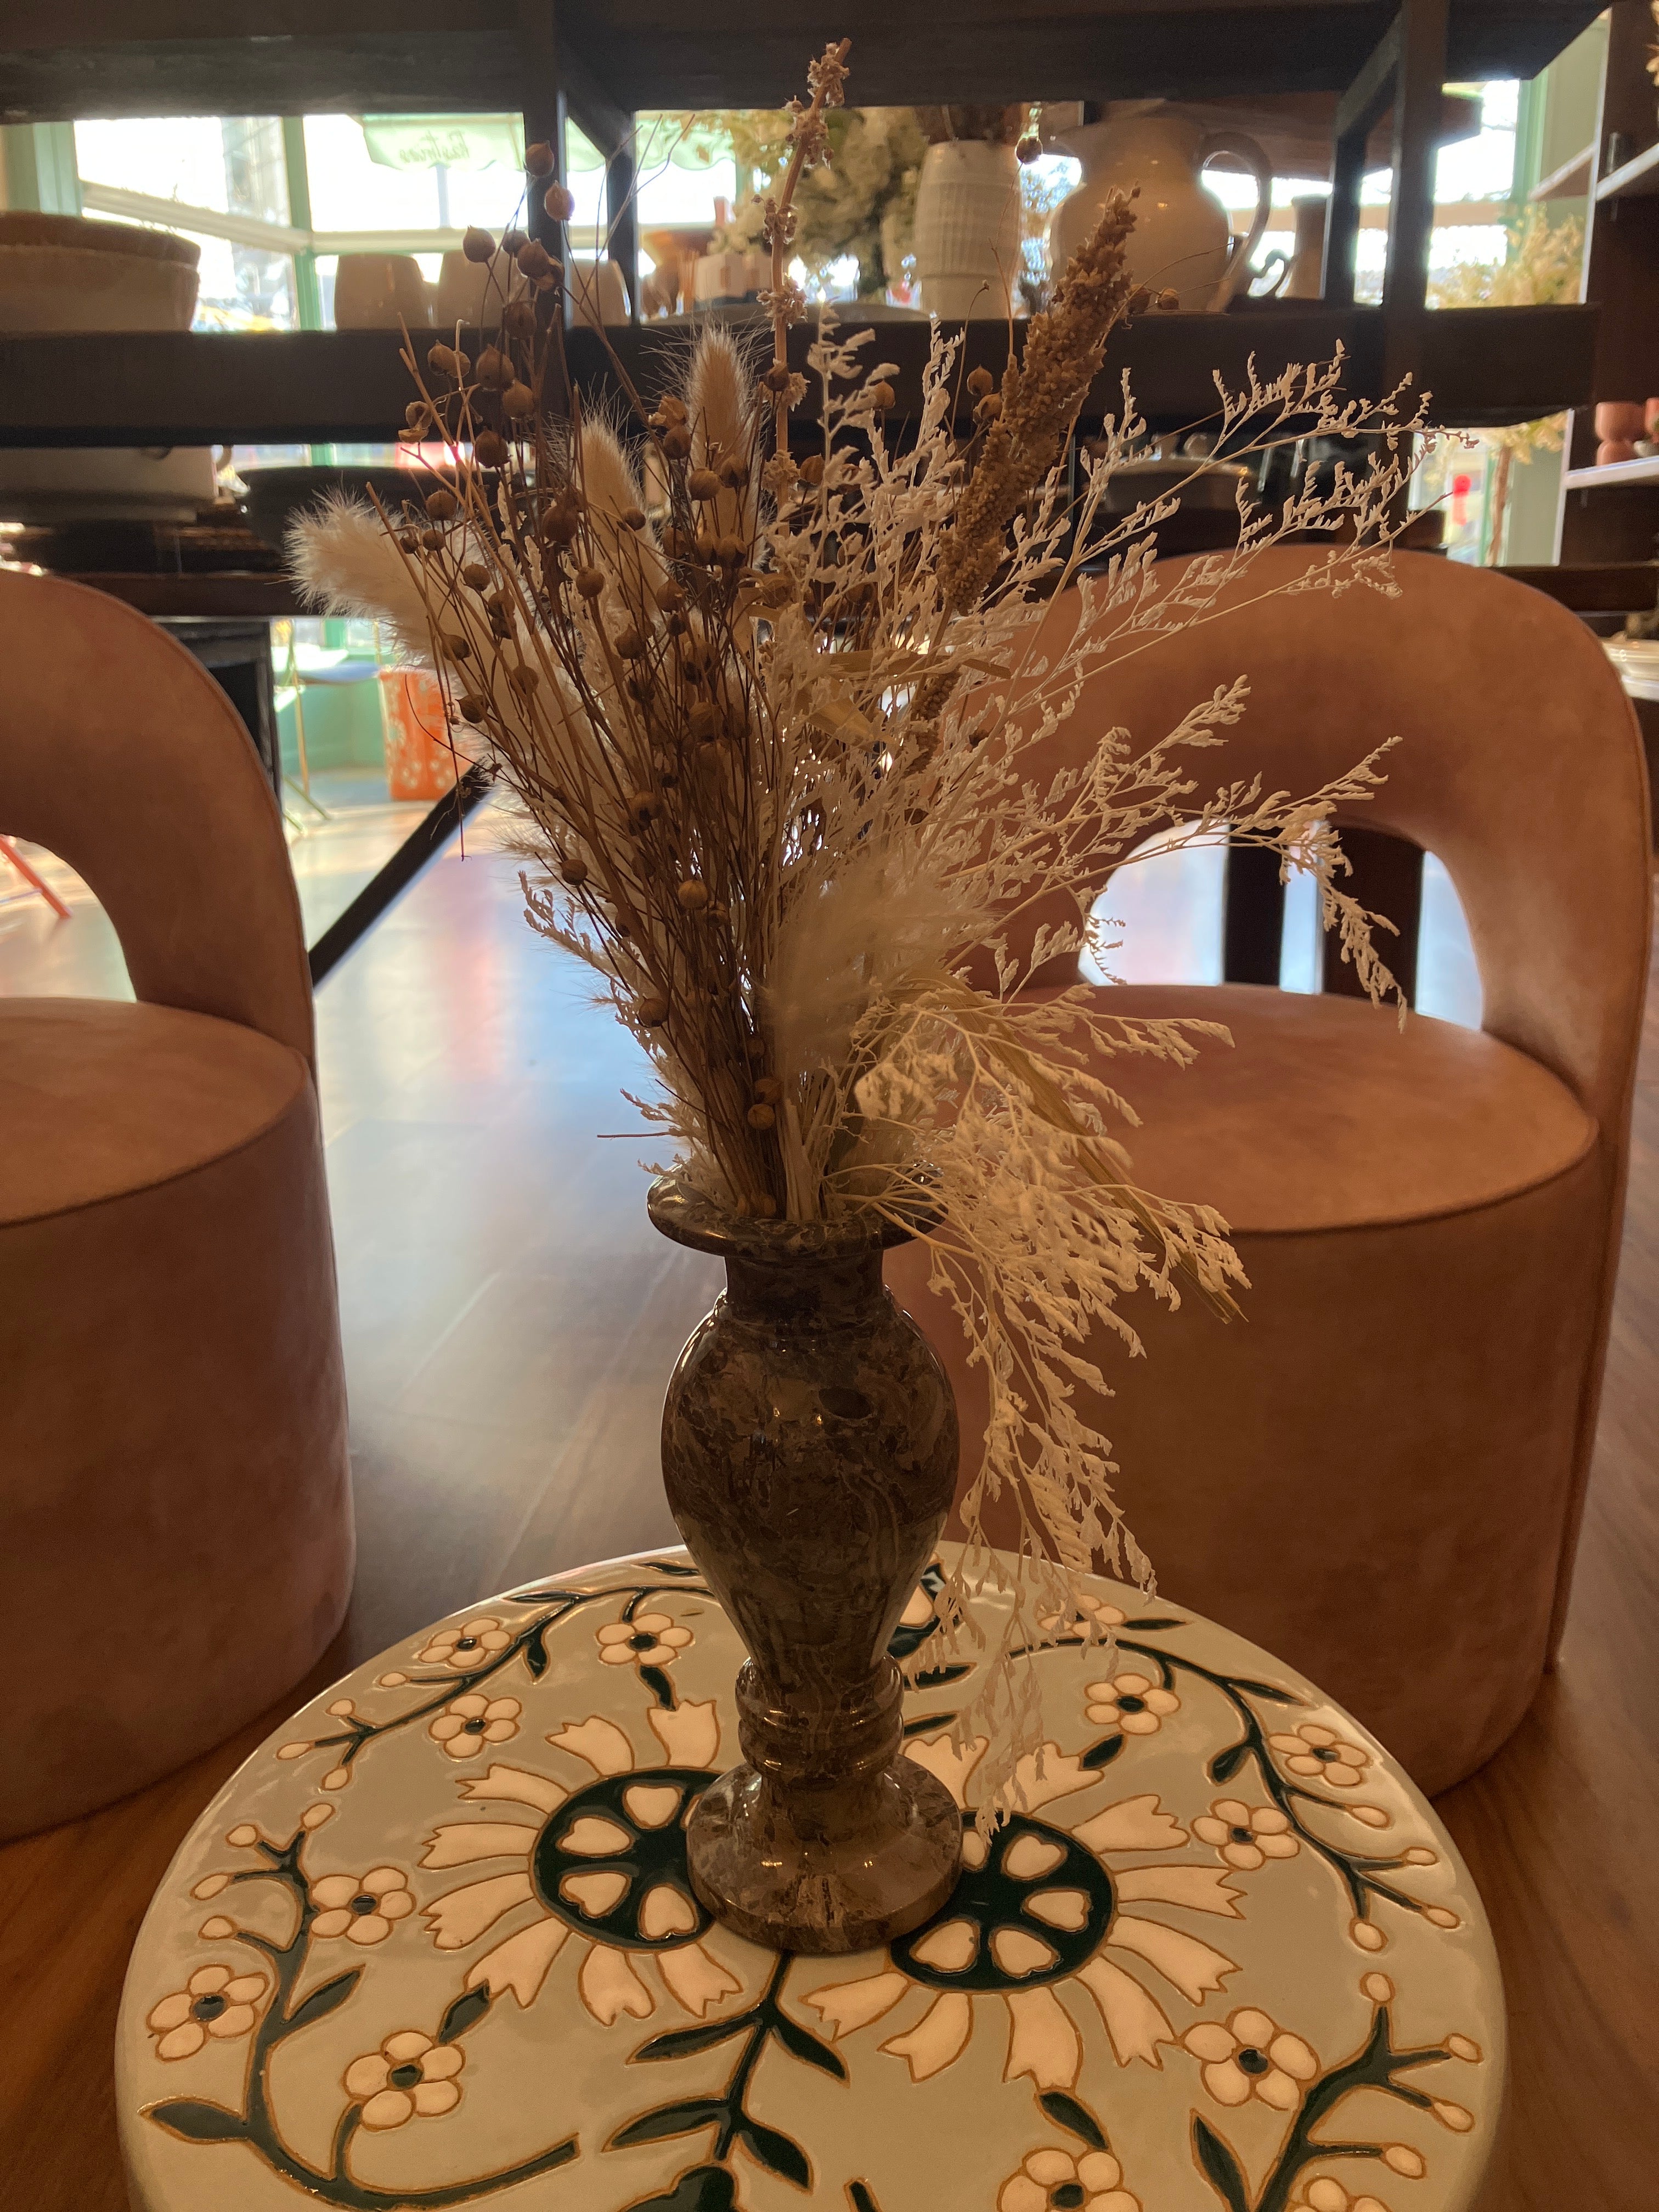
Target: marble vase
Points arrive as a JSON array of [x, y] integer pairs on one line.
[[809, 1447]]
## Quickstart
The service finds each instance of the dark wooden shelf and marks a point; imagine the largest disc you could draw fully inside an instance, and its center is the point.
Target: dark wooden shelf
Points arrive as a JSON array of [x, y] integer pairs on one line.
[[229, 592], [63, 59], [1638, 180], [1570, 182], [1597, 588], [1610, 477], [1483, 366]]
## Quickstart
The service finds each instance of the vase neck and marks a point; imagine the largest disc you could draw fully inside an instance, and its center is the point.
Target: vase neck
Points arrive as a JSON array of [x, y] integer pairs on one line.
[[810, 1289]]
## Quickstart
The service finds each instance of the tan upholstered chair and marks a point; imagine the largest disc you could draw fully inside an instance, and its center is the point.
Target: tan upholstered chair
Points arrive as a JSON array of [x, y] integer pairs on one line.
[[174, 1483], [1379, 1473]]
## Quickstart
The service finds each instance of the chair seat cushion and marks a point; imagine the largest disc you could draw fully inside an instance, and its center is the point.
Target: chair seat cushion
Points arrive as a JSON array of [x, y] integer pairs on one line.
[[1325, 1113], [99, 1098]]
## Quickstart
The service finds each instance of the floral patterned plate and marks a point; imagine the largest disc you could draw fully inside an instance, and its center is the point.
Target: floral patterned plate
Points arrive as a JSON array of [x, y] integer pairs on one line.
[[433, 1945]]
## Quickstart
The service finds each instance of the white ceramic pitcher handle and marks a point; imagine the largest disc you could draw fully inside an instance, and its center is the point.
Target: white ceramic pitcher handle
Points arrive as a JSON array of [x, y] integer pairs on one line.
[[1244, 149]]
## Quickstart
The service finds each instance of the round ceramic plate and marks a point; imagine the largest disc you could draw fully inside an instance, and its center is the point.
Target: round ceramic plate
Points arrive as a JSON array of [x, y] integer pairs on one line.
[[433, 1945]]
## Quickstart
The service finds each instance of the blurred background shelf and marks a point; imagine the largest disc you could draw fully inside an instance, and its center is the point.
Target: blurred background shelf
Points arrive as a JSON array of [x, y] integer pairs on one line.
[[1606, 476], [100, 57], [1489, 365]]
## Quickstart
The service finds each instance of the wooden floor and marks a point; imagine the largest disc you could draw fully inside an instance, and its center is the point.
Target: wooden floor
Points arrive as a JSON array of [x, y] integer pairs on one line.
[[509, 1321]]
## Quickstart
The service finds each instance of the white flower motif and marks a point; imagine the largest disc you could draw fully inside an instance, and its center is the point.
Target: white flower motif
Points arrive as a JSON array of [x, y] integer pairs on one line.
[[1044, 2040], [469, 1723], [1054, 2181], [609, 1982], [1131, 1703], [1085, 1608], [1251, 2056], [363, 1911], [650, 1639], [1324, 2193], [474, 1644], [214, 2002], [409, 2077], [1318, 1753], [1247, 1836]]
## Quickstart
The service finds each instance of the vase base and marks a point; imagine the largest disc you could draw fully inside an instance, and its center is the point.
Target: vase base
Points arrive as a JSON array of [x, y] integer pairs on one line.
[[760, 1875]]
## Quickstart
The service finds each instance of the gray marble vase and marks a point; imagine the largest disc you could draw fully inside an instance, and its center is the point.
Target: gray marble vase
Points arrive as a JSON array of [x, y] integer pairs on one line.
[[808, 1451]]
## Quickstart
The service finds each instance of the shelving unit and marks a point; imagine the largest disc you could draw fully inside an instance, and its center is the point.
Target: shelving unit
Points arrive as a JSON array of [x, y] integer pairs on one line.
[[1613, 474], [1489, 366], [1633, 180], [1612, 513], [598, 60]]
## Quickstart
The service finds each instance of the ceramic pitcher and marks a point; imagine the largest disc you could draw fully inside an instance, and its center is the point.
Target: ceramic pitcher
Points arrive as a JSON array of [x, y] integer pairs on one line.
[[1182, 240]]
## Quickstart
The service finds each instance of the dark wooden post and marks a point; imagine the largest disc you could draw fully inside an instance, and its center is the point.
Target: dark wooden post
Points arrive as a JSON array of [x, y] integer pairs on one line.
[[621, 219], [1360, 108], [1252, 916], [545, 112], [1421, 73]]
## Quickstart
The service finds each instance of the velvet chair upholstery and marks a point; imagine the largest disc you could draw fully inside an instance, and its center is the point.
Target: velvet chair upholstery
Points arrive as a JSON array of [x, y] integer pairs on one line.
[[1379, 1472], [173, 1480]]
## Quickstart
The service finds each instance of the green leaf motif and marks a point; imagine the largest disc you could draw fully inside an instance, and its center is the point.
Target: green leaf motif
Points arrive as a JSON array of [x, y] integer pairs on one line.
[[1065, 2113], [1226, 1764], [776, 2153], [1220, 2167], [699, 2189], [686, 2042], [470, 2006], [859, 2197], [669, 1567], [325, 1998], [194, 2120], [535, 1653], [1267, 1690], [659, 1686], [1103, 1753], [935, 1678], [1151, 1623], [799, 2043], [682, 2119]]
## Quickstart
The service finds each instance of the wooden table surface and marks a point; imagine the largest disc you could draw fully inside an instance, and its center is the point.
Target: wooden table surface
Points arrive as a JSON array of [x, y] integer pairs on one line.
[[510, 1321]]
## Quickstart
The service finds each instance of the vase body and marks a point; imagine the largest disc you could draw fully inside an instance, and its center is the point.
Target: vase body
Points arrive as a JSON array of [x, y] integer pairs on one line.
[[967, 228], [1182, 240], [809, 1447]]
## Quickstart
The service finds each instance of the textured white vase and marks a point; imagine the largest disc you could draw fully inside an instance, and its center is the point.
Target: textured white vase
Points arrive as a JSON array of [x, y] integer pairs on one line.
[[1182, 240], [967, 228]]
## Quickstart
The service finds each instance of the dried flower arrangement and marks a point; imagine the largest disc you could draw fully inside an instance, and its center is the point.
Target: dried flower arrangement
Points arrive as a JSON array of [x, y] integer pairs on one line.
[[768, 723]]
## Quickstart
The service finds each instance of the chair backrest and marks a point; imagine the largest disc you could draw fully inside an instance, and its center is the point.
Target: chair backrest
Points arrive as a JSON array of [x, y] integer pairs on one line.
[[1520, 764], [119, 753]]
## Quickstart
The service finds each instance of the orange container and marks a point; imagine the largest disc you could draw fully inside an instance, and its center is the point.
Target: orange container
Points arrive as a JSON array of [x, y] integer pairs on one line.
[[420, 761]]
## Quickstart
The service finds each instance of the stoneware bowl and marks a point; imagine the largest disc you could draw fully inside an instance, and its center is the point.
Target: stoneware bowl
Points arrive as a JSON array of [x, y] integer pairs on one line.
[[68, 273]]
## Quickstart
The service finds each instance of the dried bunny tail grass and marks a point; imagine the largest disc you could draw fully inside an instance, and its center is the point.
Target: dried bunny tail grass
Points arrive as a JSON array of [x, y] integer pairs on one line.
[[342, 559], [847, 942], [616, 512], [722, 402], [1041, 397]]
